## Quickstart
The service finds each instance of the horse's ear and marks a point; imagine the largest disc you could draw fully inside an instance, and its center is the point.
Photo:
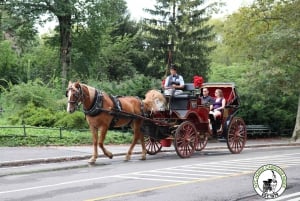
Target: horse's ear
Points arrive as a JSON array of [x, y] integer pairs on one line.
[[77, 85], [70, 83]]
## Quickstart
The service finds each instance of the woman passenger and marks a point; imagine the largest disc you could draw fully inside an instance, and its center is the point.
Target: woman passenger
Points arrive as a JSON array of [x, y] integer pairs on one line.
[[219, 105]]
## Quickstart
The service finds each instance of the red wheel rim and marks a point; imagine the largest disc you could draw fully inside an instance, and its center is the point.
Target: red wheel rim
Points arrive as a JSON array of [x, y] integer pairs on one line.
[[185, 139], [153, 146], [237, 135]]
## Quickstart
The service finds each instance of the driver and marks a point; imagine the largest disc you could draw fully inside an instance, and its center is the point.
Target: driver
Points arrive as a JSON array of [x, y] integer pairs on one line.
[[174, 83]]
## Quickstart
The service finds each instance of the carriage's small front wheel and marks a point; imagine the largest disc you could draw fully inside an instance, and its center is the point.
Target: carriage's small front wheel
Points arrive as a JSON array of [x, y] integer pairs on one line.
[[153, 146], [237, 135], [185, 139]]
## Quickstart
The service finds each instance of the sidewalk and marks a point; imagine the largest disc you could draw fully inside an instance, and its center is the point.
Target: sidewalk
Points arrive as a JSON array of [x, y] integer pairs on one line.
[[17, 156]]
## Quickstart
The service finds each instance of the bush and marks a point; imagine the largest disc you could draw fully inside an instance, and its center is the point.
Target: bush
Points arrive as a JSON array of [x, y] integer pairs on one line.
[[73, 121], [35, 92], [34, 116]]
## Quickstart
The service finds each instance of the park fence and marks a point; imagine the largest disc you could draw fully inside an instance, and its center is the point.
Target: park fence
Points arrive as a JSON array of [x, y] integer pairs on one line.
[[32, 131]]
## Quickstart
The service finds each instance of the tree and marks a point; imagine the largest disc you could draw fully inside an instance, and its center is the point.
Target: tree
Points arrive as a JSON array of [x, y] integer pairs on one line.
[[181, 28], [296, 131], [68, 14], [267, 35]]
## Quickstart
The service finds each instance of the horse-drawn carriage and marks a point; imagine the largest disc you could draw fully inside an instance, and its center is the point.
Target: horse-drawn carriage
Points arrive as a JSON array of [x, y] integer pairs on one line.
[[186, 122], [158, 120]]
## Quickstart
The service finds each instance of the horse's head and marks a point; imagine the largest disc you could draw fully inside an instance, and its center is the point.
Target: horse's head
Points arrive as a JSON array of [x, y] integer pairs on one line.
[[75, 95], [154, 101]]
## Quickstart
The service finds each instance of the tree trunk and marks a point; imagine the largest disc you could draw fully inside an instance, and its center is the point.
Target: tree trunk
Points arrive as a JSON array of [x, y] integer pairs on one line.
[[65, 46], [296, 132]]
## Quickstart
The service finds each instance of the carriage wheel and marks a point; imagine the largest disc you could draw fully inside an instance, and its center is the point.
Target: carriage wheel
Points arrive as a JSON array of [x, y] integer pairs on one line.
[[153, 146], [201, 141], [237, 135], [185, 139]]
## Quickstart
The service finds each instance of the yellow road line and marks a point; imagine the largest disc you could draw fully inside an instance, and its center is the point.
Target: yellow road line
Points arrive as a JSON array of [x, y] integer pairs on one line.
[[164, 187]]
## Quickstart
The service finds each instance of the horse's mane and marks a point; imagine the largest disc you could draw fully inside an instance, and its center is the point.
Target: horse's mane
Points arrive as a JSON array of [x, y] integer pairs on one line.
[[154, 101]]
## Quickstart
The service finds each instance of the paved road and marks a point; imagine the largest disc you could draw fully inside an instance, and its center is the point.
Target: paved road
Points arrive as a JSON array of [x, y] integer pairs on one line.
[[14, 156], [213, 174]]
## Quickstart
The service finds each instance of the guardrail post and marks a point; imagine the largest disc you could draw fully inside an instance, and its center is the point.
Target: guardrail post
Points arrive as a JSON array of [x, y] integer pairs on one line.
[[24, 129], [60, 133]]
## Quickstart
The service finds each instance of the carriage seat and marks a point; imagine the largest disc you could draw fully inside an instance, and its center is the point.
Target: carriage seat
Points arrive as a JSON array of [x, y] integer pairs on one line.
[[187, 91], [180, 101]]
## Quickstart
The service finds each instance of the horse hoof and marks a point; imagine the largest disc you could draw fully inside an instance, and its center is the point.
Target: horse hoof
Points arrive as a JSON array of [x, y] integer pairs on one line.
[[143, 157], [92, 162], [127, 158], [111, 156]]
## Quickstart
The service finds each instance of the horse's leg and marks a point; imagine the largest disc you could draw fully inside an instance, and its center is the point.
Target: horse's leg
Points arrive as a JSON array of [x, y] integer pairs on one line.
[[95, 143], [101, 142], [144, 151], [136, 137]]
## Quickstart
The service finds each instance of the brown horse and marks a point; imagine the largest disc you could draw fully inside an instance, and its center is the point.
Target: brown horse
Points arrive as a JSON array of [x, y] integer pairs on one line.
[[103, 112]]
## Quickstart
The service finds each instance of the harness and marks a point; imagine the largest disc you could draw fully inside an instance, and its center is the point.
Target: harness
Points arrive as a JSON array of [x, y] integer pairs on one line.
[[117, 108], [96, 106]]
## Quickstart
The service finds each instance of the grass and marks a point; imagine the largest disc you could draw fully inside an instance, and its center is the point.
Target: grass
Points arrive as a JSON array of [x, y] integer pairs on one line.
[[40, 136]]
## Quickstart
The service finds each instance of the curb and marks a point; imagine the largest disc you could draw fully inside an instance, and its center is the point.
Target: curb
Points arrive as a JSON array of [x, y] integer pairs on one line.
[[85, 157]]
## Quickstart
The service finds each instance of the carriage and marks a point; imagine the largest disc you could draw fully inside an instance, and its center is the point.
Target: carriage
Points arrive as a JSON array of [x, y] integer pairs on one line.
[[181, 118], [186, 122]]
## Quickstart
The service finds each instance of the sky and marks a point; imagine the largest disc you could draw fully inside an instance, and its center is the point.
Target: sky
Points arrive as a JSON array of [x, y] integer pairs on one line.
[[135, 8]]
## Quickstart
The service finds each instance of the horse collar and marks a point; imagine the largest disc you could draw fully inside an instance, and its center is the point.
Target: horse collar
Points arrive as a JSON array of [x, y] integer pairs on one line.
[[96, 107]]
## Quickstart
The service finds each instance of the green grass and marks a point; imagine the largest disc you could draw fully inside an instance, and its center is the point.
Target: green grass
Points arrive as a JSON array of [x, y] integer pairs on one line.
[[40, 136]]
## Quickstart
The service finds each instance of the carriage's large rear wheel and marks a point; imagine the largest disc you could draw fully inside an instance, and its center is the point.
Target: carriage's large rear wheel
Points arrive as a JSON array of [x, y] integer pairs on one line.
[[185, 139], [201, 141], [153, 146], [237, 135]]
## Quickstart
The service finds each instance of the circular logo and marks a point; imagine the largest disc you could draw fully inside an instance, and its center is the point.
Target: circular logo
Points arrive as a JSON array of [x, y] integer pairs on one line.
[[269, 181]]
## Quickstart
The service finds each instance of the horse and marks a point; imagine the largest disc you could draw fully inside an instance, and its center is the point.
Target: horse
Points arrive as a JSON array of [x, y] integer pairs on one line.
[[103, 112]]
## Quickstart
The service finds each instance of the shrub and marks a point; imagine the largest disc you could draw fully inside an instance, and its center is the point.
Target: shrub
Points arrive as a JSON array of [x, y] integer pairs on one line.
[[73, 121], [34, 116]]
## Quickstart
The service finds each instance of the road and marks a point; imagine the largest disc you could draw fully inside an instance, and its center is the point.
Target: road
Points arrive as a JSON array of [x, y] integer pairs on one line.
[[208, 175]]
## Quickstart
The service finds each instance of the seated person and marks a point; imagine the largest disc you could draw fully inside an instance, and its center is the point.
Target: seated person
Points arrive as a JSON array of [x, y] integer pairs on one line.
[[206, 99], [219, 105], [174, 82]]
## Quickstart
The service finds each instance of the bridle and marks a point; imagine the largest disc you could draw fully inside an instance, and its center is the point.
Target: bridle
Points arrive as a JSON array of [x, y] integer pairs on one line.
[[78, 96]]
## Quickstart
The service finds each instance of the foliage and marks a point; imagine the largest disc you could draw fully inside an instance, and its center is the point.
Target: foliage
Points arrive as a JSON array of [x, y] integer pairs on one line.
[[137, 85], [180, 27], [72, 121], [35, 116], [35, 92], [9, 69], [41, 62], [267, 106]]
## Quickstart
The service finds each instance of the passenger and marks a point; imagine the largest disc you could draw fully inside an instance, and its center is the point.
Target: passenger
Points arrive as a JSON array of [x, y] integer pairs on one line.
[[174, 83], [219, 105], [206, 99]]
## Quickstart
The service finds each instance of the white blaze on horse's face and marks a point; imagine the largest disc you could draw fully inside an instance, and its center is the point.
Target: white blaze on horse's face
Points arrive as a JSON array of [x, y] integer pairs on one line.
[[69, 104]]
